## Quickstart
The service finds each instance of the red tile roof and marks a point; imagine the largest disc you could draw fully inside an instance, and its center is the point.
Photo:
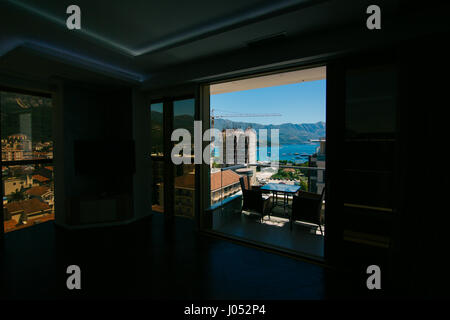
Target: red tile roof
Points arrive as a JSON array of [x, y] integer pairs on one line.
[[223, 179], [27, 206], [40, 178], [218, 180], [11, 225], [37, 191]]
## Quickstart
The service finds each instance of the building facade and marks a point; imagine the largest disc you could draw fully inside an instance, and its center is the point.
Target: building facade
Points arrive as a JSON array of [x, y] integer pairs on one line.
[[317, 160], [238, 147]]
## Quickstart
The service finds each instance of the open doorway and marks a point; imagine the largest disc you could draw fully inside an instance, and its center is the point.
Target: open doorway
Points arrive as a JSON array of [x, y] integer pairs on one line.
[[272, 192]]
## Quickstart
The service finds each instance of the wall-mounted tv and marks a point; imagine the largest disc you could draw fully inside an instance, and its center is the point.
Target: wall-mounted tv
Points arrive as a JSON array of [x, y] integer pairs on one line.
[[104, 157]]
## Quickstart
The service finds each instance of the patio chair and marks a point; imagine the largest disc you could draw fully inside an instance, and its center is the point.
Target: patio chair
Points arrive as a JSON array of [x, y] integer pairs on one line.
[[307, 206], [245, 183], [255, 200]]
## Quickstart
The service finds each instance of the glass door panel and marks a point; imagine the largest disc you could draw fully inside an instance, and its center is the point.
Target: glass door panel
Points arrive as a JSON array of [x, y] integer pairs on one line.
[[173, 185], [184, 174], [157, 154]]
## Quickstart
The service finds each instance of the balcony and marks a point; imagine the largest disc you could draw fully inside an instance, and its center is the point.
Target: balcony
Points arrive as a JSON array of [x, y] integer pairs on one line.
[[276, 227]]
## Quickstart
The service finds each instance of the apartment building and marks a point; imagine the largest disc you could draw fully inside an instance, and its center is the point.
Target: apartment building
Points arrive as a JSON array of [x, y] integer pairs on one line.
[[16, 184], [317, 160], [239, 146], [223, 185]]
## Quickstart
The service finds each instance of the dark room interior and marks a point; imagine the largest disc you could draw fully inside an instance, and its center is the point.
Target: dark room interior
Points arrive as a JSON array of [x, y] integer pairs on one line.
[[88, 171]]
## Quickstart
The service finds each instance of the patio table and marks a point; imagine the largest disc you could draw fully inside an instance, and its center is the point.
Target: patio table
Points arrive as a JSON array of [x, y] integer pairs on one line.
[[285, 189]]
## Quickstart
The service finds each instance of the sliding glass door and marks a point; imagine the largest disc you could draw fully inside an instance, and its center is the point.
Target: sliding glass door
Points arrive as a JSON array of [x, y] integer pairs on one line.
[[184, 173], [173, 185], [157, 155]]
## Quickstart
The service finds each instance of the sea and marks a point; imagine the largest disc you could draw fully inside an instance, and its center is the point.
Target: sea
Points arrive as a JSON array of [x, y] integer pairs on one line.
[[297, 153]]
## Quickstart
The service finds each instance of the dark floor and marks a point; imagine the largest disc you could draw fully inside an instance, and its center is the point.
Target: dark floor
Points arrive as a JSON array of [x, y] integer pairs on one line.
[[273, 230], [150, 259]]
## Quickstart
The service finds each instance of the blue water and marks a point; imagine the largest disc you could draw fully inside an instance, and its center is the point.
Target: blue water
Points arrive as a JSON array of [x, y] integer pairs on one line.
[[287, 152]]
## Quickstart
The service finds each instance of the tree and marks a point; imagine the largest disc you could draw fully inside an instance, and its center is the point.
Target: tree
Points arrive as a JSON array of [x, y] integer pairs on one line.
[[304, 184], [16, 196]]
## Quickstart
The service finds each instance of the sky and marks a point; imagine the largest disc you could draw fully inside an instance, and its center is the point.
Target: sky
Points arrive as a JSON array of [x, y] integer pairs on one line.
[[297, 103]]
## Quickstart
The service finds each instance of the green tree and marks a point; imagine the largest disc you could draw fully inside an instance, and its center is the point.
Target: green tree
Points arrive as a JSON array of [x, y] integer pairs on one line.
[[304, 184], [16, 196]]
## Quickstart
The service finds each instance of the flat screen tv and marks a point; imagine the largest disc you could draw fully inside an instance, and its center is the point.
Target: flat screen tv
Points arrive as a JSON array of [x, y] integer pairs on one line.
[[104, 157]]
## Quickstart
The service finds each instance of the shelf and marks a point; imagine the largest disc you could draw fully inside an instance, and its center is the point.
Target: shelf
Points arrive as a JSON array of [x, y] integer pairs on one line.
[[373, 208], [370, 171], [370, 139]]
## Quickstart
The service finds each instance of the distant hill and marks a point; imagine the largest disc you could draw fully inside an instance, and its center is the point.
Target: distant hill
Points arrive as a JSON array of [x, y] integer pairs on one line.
[[289, 133], [26, 114]]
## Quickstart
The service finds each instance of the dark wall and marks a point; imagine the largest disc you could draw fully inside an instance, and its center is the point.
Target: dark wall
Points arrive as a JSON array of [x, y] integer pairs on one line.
[[415, 263], [421, 257], [92, 113]]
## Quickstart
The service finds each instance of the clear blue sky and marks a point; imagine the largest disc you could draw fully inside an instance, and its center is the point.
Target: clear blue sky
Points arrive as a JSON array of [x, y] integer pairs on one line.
[[297, 103]]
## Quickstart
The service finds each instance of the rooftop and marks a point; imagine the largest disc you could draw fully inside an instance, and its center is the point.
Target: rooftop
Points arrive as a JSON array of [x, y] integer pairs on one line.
[[37, 191], [26, 206], [219, 180], [40, 178], [223, 179]]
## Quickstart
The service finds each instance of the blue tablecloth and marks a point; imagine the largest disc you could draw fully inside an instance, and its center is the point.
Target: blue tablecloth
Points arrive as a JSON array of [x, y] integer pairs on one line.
[[277, 187]]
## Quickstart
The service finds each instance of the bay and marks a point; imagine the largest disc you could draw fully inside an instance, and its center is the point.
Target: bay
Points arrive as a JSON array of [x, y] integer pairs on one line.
[[290, 152]]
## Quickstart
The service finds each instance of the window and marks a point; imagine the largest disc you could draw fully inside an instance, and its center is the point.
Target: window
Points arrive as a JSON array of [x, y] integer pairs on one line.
[[27, 156]]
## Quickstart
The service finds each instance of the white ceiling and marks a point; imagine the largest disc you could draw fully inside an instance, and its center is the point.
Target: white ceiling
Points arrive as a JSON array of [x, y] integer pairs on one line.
[[272, 80]]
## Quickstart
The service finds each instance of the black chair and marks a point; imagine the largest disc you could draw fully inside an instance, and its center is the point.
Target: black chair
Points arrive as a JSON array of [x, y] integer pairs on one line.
[[307, 206], [245, 183], [255, 200]]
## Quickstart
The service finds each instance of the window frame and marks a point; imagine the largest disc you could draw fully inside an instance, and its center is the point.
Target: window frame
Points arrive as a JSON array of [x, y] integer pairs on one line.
[[204, 224], [167, 101], [37, 93]]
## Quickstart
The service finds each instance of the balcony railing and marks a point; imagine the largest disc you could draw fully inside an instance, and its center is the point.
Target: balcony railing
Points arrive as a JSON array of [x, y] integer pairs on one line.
[[308, 178], [230, 207]]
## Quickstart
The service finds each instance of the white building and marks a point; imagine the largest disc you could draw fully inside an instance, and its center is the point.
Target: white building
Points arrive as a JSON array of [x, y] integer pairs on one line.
[[11, 185], [239, 146], [317, 177]]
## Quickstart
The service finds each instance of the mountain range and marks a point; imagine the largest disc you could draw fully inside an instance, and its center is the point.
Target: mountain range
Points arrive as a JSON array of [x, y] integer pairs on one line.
[[29, 115], [290, 133]]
